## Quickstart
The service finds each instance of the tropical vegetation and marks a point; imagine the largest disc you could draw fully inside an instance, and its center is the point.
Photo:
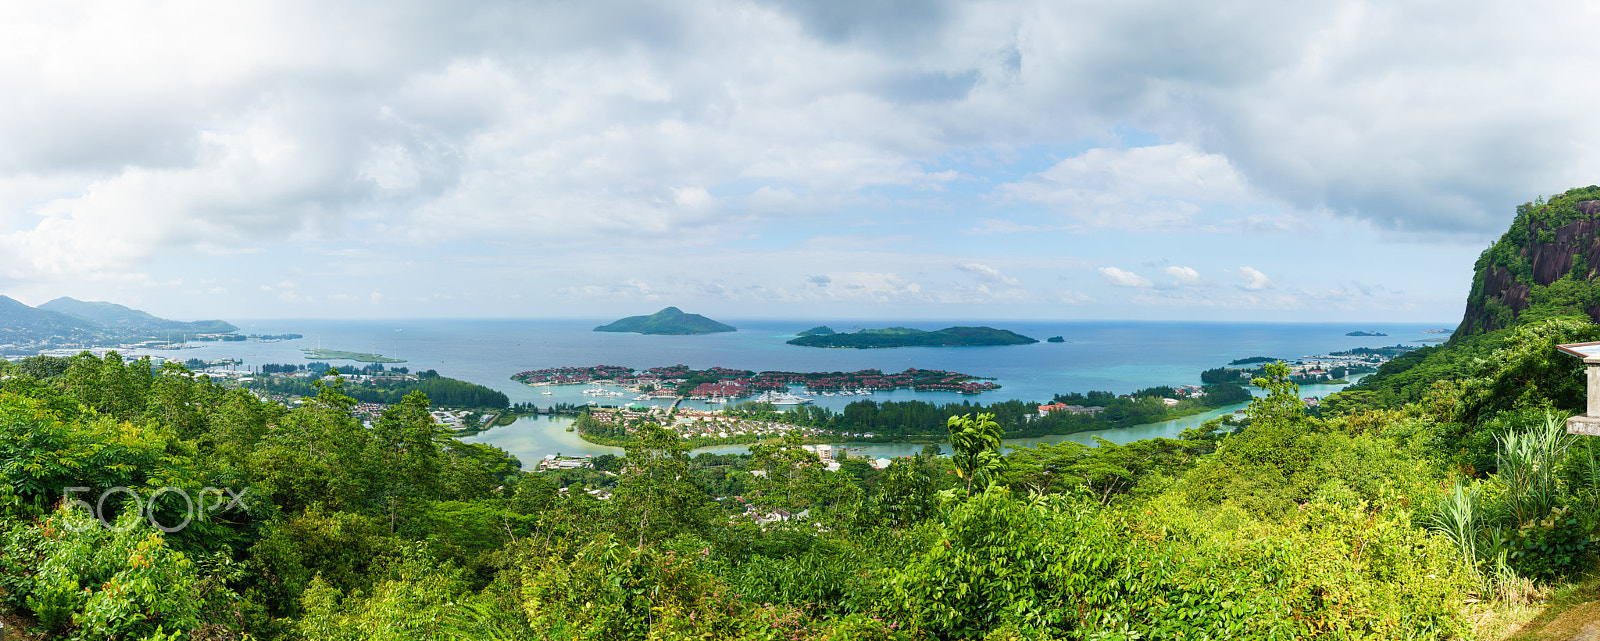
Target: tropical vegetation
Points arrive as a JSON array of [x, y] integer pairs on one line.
[[1436, 499]]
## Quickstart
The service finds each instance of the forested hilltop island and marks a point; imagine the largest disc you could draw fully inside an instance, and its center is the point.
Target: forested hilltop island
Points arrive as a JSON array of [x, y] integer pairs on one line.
[[908, 337], [669, 321], [1439, 499]]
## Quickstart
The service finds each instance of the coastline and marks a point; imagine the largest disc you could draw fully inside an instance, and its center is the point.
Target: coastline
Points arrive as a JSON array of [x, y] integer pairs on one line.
[[698, 442], [533, 437]]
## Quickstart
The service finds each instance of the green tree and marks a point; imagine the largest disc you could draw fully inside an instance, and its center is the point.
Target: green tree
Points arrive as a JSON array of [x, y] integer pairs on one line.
[[43, 367], [975, 446], [907, 492], [658, 495], [319, 454], [1282, 402], [80, 580], [108, 385], [408, 457], [179, 401], [790, 474], [535, 494], [1529, 373]]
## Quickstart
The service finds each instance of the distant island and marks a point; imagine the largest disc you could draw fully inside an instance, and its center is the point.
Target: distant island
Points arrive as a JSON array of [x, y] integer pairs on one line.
[[1254, 359], [359, 357], [679, 380], [669, 321], [1055, 339], [820, 330], [1365, 334], [908, 337]]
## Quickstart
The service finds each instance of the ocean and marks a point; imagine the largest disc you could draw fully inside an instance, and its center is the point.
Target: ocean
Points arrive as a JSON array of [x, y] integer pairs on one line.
[[1116, 356]]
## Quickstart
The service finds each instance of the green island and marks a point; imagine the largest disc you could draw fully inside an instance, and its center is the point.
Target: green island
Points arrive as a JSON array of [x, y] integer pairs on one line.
[[669, 321], [1056, 339], [374, 385], [908, 337], [359, 357], [1361, 333], [1438, 499], [675, 381]]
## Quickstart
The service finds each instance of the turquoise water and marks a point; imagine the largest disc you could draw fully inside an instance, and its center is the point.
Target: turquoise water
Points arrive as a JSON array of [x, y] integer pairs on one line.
[[1118, 356], [531, 438]]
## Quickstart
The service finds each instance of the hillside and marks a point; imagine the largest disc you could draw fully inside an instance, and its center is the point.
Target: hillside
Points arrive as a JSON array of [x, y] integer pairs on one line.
[[120, 318], [907, 337], [68, 322], [669, 321], [22, 325], [1545, 266]]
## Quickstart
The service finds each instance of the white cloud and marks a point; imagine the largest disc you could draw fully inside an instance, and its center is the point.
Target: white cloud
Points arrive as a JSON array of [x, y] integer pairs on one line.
[[627, 288], [1183, 275], [1072, 297], [1121, 278], [233, 133], [1254, 280], [881, 287], [987, 274]]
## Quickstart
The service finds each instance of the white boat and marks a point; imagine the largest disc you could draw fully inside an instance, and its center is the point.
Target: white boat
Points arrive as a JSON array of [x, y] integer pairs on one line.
[[781, 398]]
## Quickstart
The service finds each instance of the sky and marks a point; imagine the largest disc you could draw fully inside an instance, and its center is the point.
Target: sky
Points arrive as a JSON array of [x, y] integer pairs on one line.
[[894, 159]]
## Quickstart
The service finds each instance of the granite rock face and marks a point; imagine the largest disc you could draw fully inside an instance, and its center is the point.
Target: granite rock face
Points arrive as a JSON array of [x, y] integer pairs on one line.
[[1545, 254]]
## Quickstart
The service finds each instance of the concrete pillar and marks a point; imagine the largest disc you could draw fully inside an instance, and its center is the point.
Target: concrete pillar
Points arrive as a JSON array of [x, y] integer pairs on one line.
[[1589, 423], [1592, 367]]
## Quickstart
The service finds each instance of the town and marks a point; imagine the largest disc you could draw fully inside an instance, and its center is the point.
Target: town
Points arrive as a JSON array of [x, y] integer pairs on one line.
[[720, 382], [692, 424]]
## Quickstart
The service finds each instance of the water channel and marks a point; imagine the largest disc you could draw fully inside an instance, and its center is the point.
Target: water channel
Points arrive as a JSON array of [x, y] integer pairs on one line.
[[533, 437]]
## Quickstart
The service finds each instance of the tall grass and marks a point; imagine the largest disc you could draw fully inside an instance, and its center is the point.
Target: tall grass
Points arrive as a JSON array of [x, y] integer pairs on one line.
[[1527, 462], [1528, 487], [1458, 520]]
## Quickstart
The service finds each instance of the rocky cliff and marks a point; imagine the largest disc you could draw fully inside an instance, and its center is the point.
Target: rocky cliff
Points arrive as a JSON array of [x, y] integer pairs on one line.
[[1546, 264]]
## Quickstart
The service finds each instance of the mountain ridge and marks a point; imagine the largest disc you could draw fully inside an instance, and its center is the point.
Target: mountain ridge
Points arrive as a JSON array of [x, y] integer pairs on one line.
[[112, 315], [71, 322]]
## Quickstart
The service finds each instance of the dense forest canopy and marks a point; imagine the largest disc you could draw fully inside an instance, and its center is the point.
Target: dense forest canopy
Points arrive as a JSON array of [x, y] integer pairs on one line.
[[446, 392]]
